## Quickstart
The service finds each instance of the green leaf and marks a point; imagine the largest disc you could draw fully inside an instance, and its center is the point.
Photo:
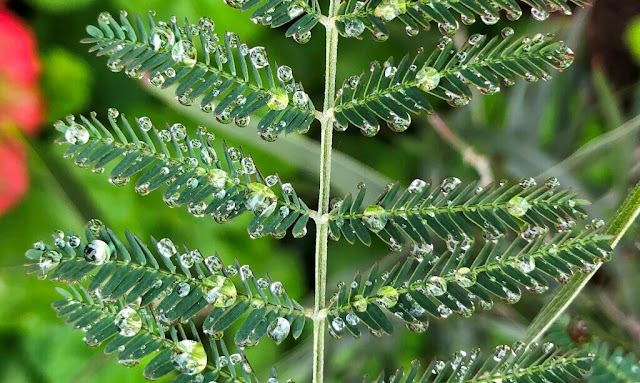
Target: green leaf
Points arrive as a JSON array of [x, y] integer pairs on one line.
[[206, 67], [392, 93], [145, 335], [452, 212], [189, 168], [276, 13], [519, 363], [429, 285], [624, 217], [185, 285], [614, 365], [355, 15]]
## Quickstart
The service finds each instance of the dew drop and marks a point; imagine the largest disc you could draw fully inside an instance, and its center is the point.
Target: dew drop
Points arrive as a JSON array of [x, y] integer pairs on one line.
[[129, 322], [76, 134], [518, 206], [278, 330], [302, 38], [261, 200], [166, 248], [353, 27], [97, 252], [184, 53], [387, 296], [375, 218], [189, 357], [258, 57], [219, 291], [279, 99], [427, 78], [388, 10], [161, 37]]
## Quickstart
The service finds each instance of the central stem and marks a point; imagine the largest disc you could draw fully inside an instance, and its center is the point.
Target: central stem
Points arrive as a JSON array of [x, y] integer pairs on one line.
[[322, 223]]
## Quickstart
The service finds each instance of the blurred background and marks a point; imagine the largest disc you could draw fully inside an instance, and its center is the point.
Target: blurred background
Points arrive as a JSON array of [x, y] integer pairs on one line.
[[526, 130]]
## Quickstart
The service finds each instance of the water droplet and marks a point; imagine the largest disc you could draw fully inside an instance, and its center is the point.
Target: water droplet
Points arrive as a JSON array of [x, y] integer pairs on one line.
[[387, 296], [467, 19], [353, 27], [526, 264], [465, 277], [129, 322], [597, 223], [539, 14], [518, 206], [489, 19], [417, 186], [49, 260], [261, 200], [506, 32], [183, 289], [388, 10], [285, 74], [166, 248], [302, 38], [449, 184], [76, 134], [551, 183], [436, 286], [375, 218], [399, 124], [258, 57], [161, 37], [278, 330], [427, 78], [97, 252], [444, 311], [184, 53], [219, 291], [277, 288], [279, 99], [359, 303], [448, 29], [189, 357]]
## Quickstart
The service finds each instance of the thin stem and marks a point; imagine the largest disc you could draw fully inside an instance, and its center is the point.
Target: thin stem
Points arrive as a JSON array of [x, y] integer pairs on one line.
[[469, 155], [617, 227], [322, 222]]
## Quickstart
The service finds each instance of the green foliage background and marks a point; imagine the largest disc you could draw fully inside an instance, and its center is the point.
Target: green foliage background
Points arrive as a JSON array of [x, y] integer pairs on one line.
[[524, 131]]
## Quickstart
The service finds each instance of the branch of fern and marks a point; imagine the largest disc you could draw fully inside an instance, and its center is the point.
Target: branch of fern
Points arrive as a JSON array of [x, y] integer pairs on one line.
[[302, 150], [617, 227], [476, 160]]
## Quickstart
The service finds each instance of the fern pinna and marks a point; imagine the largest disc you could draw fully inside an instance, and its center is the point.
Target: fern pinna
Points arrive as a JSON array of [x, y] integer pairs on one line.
[[466, 245]]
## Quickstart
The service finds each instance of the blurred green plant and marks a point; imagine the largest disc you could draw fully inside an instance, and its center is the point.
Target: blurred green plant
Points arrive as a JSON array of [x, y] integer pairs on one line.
[[241, 82]]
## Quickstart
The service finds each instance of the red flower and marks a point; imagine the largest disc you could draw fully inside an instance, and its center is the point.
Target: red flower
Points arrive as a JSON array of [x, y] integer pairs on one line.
[[20, 104]]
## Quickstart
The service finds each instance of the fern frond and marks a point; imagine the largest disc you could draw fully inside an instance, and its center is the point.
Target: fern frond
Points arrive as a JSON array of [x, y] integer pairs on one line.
[[178, 284], [355, 15], [238, 78], [437, 286], [520, 363], [306, 14], [135, 333], [393, 93], [223, 188], [451, 212], [614, 366]]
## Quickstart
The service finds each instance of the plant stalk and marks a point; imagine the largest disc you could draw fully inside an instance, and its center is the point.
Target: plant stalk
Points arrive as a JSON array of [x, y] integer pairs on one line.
[[619, 224], [322, 223]]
